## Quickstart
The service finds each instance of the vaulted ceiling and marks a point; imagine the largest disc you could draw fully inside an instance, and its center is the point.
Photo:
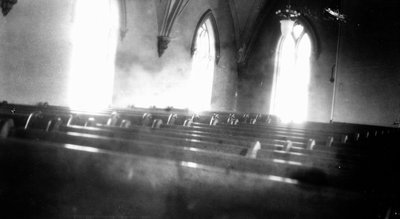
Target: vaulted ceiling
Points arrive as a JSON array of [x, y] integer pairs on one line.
[[244, 14], [6, 6]]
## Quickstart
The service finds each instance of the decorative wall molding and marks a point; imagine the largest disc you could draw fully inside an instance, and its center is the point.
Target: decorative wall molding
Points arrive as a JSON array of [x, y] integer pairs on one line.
[[236, 25], [167, 12], [123, 19], [244, 32], [6, 6], [261, 12], [162, 44]]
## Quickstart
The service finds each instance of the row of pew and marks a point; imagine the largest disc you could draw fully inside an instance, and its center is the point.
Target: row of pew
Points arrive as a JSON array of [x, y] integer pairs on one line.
[[166, 163]]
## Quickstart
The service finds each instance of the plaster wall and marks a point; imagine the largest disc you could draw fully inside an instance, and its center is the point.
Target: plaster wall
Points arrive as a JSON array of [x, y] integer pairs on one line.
[[34, 52], [162, 81]]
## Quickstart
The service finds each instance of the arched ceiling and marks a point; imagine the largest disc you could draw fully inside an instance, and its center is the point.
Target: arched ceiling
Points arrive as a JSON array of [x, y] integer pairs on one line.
[[6, 6]]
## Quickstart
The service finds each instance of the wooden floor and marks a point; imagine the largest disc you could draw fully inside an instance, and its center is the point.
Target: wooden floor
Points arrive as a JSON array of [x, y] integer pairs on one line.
[[166, 163]]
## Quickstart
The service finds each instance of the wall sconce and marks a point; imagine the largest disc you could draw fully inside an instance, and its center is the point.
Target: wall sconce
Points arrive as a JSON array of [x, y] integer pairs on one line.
[[123, 29], [6, 6]]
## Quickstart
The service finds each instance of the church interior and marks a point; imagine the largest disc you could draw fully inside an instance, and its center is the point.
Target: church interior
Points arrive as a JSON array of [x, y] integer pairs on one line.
[[199, 109]]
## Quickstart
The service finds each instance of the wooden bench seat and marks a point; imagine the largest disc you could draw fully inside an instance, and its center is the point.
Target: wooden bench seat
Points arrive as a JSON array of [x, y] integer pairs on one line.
[[58, 180], [320, 173], [240, 141]]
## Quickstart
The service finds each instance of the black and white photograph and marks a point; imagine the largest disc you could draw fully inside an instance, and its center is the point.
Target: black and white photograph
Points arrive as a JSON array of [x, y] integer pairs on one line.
[[215, 109]]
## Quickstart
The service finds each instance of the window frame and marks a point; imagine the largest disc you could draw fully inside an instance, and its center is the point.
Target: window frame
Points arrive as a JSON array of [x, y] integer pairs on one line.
[[297, 41], [208, 15]]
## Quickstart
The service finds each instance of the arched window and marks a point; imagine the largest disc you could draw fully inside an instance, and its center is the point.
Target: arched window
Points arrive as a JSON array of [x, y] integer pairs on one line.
[[94, 38], [204, 50], [289, 98]]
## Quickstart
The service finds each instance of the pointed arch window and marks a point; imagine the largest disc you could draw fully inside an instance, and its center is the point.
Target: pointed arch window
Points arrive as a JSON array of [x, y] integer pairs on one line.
[[204, 57], [289, 100]]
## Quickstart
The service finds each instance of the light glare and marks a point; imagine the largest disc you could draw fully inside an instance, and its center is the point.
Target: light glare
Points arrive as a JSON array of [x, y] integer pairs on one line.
[[189, 164], [82, 148], [282, 179], [202, 75], [289, 98], [94, 40], [287, 162]]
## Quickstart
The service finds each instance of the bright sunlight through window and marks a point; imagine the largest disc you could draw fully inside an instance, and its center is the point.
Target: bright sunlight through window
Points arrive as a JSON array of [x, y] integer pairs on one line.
[[292, 74], [202, 75], [94, 39]]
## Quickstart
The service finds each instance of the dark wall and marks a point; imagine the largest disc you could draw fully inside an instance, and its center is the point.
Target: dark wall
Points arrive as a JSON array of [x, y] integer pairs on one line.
[[367, 77], [368, 88]]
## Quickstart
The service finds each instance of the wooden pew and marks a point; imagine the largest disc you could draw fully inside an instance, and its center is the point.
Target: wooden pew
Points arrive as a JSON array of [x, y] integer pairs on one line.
[[247, 142], [304, 172], [321, 136], [136, 113], [212, 130], [59, 180], [364, 183], [213, 142]]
